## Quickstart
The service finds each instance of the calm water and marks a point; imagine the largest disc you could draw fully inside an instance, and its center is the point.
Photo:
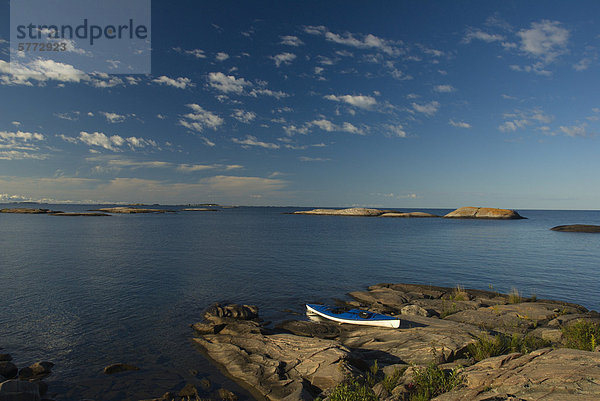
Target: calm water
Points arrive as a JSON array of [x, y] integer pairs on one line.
[[88, 292]]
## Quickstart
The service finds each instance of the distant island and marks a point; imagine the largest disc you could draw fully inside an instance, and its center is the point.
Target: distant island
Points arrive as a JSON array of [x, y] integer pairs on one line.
[[461, 213]]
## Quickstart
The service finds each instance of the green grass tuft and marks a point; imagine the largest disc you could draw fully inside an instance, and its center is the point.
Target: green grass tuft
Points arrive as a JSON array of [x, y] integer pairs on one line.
[[582, 334], [431, 381], [459, 294], [488, 346], [352, 390], [391, 381], [514, 297]]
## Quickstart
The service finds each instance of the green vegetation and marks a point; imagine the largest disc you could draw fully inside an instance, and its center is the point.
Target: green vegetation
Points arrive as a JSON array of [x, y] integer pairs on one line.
[[448, 310], [488, 346], [514, 297], [431, 381], [459, 294], [582, 334], [391, 381], [351, 390]]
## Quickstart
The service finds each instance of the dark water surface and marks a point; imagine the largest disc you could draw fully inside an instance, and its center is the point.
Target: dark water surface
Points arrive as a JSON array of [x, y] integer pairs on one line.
[[85, 292]]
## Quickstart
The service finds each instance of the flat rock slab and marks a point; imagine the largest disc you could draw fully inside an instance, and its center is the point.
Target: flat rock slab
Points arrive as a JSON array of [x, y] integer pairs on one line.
[[129, 210], [277, 366], [421, 341], [483, 213], [548, 375], [354, 211], [408, 214], [577, 228], [26, 211], [76, 214], [512, 318]]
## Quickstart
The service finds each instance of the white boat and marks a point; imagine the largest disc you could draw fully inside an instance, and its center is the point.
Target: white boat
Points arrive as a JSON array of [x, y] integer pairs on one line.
[[353, 316]]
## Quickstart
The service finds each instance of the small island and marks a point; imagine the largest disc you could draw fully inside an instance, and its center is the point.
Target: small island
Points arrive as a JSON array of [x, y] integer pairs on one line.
[[24, 210], [361, 211], [577, 228], [483, 213], [129, 210]]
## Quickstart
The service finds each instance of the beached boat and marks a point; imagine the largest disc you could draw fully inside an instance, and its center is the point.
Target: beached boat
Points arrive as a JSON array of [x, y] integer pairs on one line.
[[353, 316]]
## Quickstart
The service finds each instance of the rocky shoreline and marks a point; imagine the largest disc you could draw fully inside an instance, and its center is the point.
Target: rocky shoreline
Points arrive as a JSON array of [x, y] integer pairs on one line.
[[443, 329]]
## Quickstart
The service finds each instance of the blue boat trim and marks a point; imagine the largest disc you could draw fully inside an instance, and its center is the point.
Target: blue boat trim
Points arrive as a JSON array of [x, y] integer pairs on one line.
[[356, 315]]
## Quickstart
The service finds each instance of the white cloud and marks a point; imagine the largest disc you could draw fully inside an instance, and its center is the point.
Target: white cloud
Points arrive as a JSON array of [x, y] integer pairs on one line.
[[328, 126], [221, 56], [190, 168], [180, 82], [253, 141], [360, 101], [20, 145], [198, 53], [39, 71], [283, 58], [537, 68], [520, 119], [312, 159], [325, 125], [71, 116], [267, 92], [20, 155], [101, 140], [112, 117], [199, 119], [582, 64], [161, 116], [428, 109], [16, 123], [574, 130], [480, 35], [243, 116], [232, 189], [114, 142], [396, 130], [359, 41], [291, 130], [291, 40], [444, 88], [227, 83], [545, 40], [459, 124], [135, 142]]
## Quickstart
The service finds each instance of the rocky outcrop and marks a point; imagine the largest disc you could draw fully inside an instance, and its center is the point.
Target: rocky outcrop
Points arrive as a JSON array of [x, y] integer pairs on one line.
[[78, 214], [118, 368], [23, 384], [577, 228], [128, 210], [355, 211], [298, 360], [23, 210], [483, 213], [360, 211], [408, 214], [199, 209], [19, 390], [546, 374], [275, 366]]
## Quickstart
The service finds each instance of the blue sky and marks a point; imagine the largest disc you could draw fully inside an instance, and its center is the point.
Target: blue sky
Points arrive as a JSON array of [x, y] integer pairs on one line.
[[396, 104]]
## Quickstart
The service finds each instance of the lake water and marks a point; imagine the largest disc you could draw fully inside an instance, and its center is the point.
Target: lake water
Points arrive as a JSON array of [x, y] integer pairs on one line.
[[85, 292]]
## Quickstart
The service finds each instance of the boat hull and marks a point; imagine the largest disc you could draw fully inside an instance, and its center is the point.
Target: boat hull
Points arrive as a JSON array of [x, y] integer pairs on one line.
[[354, 316]]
